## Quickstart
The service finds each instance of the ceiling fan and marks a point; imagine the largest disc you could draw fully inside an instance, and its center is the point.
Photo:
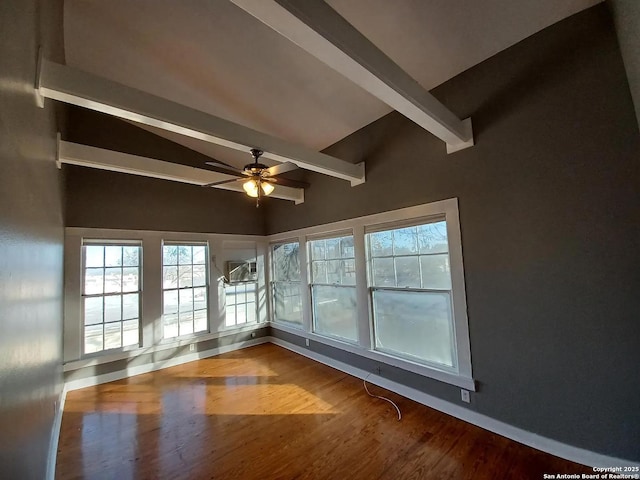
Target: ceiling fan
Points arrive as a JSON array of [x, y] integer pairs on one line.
[[261, 178]]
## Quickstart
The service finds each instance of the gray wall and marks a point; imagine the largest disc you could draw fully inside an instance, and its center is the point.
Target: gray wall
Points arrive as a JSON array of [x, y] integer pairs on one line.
[[101, 199], [30, 242], [626, 15], [549, 214], [165, 355]]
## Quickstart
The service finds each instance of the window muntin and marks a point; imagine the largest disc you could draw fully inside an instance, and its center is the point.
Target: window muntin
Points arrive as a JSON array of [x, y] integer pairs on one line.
[[286, 283], [111, 296], [410, 283], [184, 289], [240, 303], [333, 292]]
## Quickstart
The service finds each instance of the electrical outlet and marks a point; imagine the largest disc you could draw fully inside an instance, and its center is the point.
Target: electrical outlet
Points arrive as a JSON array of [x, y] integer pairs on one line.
[[379, 370], [464, 395], [192, 347], [253, 334], [306, 341]]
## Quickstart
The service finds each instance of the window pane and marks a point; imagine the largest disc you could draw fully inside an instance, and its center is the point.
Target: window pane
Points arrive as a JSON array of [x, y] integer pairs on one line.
[[184, 254], [94, 256], [112, 256], [252, 289], [200, 321], [93, 281], [319, 272], [230, 316], [112, 280], [333, 248], [383, 272], [380, 244], [334, 311], [199, 298], [414, 324], [287, 302], [186, 322], [170, 302], [286, 262], [405, 241], [170, 255], [240, 294], [199, 254], [408, 272], [184, 276], [131, 256], [185, 298], [170, 325], [130, 279], [348, 272], [130, 306], [333, 271], [241, 313], [130, 332], [112, 335], [346, 247], [433, 238], [93, 338], [199, 275], [436, 272], [251, 312], [92, 310], [112, 308], [170, 277], [230, 295], [317, 249]]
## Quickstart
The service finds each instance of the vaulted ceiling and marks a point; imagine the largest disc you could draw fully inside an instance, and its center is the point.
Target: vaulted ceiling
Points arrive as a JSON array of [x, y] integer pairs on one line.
[[214, 57]]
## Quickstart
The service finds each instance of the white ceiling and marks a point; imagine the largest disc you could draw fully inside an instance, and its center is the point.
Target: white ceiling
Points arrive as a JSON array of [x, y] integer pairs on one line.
[[212, 56]]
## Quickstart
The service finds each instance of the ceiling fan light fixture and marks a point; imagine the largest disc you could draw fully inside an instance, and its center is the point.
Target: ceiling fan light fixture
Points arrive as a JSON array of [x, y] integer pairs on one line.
[[267, 187], [251, 188]]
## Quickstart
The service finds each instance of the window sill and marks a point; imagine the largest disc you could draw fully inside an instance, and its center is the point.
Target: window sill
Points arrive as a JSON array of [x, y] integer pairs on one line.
[[444, 376], [166, 344]]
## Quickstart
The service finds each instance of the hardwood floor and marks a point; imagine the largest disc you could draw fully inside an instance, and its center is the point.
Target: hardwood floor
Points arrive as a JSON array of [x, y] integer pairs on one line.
[[267, 413]]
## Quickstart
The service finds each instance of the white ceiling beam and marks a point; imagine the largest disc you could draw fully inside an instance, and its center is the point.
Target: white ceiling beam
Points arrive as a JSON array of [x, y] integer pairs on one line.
[[102, 159], [317, 28], [76, 87]]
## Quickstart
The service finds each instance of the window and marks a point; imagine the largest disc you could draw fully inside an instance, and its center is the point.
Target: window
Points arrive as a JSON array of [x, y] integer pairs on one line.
[[184, 289], [333, 292], [285, 283], [240, 306], [110, 295], [410, 284]]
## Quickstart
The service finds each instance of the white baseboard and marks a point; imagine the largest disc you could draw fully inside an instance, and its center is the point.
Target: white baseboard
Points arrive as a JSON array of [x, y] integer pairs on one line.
[[150, 367], [55, 435], [553, 447]]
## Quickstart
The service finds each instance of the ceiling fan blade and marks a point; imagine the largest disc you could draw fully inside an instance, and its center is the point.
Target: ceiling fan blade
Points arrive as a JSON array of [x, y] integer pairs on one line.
[[220, 167], [285, 182], [281, 168], [223, 182]]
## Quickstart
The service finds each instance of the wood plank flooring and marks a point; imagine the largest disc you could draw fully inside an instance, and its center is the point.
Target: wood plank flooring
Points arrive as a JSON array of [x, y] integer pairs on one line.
[[267, 413]]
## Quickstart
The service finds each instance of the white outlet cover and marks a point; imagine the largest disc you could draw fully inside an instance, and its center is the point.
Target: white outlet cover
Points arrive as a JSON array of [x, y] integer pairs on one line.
[[464, 395]]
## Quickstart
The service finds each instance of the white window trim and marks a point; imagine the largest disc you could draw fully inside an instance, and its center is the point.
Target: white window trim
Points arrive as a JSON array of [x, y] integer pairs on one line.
[[447, 209], [207, 287], [83, 296], [311, 283], [151, 311], [304, 298]]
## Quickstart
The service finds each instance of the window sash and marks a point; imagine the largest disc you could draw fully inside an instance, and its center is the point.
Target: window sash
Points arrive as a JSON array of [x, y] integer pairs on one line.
[[178, 320], [104, 323]]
